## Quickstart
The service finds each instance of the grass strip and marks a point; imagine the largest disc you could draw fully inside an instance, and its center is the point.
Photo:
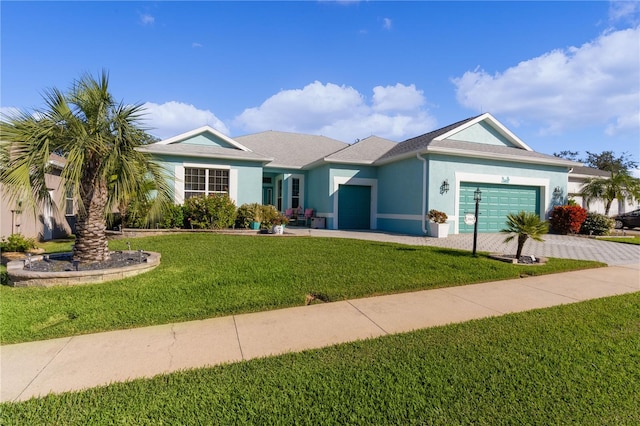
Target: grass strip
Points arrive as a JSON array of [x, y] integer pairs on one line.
[[206, 275], [625, 240], [571, 364]]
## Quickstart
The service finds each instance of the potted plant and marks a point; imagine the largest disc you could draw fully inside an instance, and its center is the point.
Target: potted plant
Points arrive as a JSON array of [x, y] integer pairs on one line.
[[257, 218], [279, 223], [438, 226]]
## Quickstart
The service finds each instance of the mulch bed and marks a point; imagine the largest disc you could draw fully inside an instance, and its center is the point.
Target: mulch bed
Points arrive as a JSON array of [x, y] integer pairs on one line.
[[64, 262]]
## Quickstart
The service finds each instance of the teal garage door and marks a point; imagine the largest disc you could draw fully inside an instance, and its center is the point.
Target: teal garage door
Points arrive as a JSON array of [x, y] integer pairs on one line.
[[497, 201], [354, 207]]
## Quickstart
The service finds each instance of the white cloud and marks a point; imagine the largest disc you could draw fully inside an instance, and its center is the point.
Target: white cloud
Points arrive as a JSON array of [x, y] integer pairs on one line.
[[386, 23], [172, 118], [398, 97], [341, 112], [594, 84], [146, 19], [623, 11], [9, 112], [196, 44]]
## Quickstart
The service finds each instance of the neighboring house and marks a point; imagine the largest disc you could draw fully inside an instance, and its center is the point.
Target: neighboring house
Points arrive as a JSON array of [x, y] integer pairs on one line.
[[374, 183], [577, 178], [48, 222]]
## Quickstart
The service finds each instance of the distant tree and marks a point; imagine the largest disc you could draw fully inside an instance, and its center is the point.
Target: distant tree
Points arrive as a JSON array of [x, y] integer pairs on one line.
[[524, 225], [569, 155], [608, 161], [98, 137]]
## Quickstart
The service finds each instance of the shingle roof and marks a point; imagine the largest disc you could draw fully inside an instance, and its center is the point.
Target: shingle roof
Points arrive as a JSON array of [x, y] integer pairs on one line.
[[188, 150], [420, 142], [590, 171], [290, 150], [365, 151]]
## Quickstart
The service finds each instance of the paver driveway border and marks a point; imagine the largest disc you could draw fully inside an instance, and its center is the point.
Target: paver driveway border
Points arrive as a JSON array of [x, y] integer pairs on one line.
[[560, 246]]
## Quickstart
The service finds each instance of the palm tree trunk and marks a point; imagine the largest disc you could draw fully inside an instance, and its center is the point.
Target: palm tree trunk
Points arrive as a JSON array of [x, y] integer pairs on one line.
[[521, 240], [91, 243]]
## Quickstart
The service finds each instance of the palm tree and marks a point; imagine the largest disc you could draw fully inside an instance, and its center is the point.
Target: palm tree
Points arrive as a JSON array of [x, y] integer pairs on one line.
[[98, 137], [620, 185], [524, 225]]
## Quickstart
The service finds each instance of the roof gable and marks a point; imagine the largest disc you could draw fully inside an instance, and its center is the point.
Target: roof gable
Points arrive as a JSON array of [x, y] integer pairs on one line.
[[204, 136], [483, 129], [481, 137], [481, 132]]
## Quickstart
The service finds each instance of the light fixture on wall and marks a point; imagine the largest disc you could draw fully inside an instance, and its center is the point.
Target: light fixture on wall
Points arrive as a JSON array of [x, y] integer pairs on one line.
[[444, 187], [557, 191]]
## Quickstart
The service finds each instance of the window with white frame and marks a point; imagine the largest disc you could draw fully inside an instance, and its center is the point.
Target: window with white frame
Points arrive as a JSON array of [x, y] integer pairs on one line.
[[199, 181], [295, 193], [68, 205]]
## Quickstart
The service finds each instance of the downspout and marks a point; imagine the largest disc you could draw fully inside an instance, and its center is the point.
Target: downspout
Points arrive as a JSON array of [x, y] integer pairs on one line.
[[424, 192]]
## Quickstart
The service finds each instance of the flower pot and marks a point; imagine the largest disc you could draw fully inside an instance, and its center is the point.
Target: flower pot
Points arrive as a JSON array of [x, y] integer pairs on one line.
[[439, 230], [255, 225]]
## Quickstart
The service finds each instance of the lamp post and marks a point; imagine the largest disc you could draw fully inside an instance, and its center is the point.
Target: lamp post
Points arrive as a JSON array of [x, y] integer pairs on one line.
[[477, 196]]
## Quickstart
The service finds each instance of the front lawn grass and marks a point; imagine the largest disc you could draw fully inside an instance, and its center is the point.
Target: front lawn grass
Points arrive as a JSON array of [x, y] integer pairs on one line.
[[208, 275], [626, 240], [56, 246], [575, 364]]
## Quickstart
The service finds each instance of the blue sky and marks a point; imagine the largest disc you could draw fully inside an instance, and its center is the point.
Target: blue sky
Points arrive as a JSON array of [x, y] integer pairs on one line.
[[560, 75]]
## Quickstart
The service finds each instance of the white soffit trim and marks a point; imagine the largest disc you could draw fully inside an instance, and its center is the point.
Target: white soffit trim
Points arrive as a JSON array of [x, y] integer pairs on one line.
[[358, 162], [200, 130], [149, 149], [492, 155], [494, 123]]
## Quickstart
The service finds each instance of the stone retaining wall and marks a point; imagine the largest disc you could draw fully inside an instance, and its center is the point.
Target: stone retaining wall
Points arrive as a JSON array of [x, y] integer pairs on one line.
[[20, 277]]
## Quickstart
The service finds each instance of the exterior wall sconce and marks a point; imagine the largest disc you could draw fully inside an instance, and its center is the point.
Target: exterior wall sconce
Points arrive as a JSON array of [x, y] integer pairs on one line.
[[477, 197], [557, 191], [444, 187]]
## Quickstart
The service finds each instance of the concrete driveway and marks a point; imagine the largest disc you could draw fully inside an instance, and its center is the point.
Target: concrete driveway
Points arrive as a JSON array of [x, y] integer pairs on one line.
[[561, 246]]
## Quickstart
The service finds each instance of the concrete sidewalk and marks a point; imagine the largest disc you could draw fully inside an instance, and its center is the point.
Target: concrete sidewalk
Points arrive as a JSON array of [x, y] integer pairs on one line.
[[74, 363]]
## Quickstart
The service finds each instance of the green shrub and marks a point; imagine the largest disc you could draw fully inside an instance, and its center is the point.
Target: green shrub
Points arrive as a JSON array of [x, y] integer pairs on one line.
[[114, 221], [173, 217], [266, 215], [136, 216], [596, 224], [4, 278], [17, 242], [216, 211], [248, 213], [567, 219]]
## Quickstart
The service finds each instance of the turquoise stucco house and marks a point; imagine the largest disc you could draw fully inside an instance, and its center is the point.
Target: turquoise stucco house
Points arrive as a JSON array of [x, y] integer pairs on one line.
[[374, 183]]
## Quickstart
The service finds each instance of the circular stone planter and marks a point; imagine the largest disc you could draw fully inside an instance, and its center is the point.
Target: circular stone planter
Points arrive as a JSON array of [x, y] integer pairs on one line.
[[21, 277]]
